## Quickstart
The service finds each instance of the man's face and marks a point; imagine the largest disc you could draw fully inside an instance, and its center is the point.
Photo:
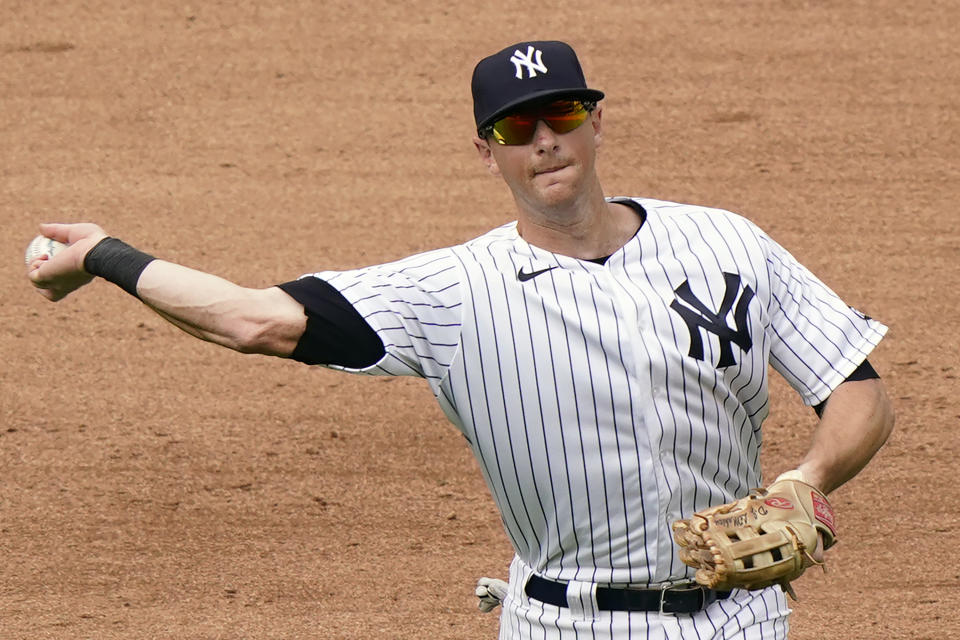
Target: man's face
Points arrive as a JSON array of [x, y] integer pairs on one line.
[[553, 169]]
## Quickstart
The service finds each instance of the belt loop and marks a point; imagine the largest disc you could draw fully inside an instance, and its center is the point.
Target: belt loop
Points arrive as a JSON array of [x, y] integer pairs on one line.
[[582, 599]]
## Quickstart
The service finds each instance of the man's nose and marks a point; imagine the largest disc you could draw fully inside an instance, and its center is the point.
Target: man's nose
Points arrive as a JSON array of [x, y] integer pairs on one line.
[[544, 136]]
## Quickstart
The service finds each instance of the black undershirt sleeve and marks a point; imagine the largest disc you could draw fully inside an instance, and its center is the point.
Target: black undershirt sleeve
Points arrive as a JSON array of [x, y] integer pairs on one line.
[[336, 333], [864, 372]]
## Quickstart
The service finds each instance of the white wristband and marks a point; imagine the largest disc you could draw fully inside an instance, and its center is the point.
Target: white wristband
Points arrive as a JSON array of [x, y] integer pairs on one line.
[[793, 474]]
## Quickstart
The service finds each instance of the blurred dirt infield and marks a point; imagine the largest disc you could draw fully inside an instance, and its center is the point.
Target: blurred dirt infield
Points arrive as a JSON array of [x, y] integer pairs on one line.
[[153, 486]]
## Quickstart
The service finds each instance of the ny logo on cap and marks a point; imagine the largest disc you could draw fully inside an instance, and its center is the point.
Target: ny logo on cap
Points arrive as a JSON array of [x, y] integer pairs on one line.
[[521, 60]]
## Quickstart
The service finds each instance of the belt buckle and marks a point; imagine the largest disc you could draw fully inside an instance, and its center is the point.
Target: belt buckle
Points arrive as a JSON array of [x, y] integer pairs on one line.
[[689, 586]]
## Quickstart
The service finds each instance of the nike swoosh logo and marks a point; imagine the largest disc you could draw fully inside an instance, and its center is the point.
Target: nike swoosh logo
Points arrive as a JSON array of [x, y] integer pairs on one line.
[[523, 276]]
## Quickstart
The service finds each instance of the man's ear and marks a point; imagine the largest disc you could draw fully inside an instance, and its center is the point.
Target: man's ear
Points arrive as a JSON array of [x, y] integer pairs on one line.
[[486, 155], [595, 118]]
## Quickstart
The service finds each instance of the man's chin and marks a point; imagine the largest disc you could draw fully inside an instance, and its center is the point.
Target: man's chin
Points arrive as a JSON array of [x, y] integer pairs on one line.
[[557, 196]]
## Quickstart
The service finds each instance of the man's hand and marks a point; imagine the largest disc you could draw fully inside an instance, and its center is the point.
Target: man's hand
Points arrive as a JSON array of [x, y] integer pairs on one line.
[[57, 277], [490, 593]]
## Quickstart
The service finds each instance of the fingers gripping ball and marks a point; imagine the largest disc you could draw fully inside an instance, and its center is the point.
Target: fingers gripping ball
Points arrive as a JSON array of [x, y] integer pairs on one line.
[[766, 538], [41, 246]]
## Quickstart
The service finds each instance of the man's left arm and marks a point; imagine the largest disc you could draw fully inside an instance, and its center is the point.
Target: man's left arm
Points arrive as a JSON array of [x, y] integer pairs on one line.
[[817, 338], [856, 421]]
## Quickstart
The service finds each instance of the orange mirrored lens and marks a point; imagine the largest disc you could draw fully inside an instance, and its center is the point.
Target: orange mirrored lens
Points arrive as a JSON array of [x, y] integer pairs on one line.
[[518, 128]]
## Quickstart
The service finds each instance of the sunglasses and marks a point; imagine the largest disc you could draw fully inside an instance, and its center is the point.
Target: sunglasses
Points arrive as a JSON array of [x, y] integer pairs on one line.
[[517, 128]]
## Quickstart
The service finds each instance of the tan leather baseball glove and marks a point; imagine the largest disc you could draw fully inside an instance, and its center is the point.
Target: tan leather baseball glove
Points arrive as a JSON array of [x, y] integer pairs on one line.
[[769, 537]]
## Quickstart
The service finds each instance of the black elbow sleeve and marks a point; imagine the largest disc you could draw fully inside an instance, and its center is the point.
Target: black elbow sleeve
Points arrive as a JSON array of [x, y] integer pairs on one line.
[[336, 333]]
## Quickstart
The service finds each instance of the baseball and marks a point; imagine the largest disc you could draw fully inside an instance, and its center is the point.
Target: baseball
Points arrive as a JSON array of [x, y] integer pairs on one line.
[[40, 246]]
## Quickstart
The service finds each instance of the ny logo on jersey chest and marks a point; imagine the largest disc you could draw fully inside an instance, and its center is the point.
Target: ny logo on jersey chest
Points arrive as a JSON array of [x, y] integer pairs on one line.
[[699, 317]]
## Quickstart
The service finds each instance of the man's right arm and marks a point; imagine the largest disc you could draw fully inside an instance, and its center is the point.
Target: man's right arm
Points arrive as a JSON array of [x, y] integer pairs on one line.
[[266, 321]]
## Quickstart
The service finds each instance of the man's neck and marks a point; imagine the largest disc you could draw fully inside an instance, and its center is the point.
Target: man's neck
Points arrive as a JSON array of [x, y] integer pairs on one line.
[[588, 230]]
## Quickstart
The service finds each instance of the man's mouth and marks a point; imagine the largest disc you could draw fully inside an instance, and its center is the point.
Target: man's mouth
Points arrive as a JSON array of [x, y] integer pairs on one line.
[[550, 169]]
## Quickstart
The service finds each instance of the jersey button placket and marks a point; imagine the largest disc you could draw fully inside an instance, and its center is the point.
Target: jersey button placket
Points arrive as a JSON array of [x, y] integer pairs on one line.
[[659, 541]]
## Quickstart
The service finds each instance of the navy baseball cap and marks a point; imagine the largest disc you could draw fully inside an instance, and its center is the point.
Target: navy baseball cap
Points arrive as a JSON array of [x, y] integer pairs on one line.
[[527, 72]]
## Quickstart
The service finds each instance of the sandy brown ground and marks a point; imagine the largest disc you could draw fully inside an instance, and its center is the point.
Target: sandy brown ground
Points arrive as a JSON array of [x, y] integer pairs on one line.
[[153, 486]]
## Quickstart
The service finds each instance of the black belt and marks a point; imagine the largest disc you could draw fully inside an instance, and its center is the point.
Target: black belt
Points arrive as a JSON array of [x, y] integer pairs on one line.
[[678, 599]]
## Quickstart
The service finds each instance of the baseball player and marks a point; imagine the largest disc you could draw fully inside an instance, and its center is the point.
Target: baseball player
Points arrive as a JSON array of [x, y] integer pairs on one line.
[[606, 359]]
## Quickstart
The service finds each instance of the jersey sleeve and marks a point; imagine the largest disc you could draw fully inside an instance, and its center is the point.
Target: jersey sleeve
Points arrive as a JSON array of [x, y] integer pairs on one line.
[[414, 305], [817, 339]]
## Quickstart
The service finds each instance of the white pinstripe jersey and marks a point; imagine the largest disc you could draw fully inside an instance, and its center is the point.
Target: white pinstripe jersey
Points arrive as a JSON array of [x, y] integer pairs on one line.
[[605, 401]]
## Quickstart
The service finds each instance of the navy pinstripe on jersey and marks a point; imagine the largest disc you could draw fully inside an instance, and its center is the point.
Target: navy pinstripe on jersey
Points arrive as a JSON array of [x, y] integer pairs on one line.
[[605, 401]]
